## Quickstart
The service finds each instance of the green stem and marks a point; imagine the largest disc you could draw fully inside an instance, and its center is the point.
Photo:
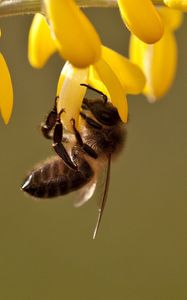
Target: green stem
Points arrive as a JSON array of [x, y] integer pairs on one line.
[[20, 7]]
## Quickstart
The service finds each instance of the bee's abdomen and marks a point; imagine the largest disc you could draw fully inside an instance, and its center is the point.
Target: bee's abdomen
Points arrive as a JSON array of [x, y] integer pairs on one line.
[[54, 179]]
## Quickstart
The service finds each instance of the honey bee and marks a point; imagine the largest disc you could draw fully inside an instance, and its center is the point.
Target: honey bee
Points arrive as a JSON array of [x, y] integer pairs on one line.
[[82, 155]]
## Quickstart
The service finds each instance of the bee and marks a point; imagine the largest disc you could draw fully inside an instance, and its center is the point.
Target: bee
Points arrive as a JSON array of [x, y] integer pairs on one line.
[[81, 156]]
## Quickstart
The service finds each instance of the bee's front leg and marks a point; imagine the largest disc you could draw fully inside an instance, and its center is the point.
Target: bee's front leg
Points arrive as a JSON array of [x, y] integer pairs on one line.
[[57, 143], [86, 148], [50, 121]]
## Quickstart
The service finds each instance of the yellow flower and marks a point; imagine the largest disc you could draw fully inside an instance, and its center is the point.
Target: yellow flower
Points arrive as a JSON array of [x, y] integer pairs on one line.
[[70, 33], [142, 18], [113, 75], [6, 91], [177, 4], [41, 44], [158, 61]]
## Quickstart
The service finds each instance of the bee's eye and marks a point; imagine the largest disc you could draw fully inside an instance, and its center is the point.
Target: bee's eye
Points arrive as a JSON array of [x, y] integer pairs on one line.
[[105, 117], [105, 113], [108, 117]]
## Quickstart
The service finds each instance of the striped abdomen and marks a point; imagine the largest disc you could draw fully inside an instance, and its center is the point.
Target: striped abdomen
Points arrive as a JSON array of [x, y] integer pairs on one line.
[[54, 178]]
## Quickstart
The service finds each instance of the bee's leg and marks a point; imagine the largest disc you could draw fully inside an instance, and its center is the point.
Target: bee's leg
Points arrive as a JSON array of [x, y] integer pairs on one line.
[[57, 143], [50, 121], [84, 146], [90, 121], [95, 90]]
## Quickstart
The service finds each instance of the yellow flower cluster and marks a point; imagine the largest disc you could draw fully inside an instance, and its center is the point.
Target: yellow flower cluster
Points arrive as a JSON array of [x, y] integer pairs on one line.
[[69, 32], [159, 60], [64, 28]]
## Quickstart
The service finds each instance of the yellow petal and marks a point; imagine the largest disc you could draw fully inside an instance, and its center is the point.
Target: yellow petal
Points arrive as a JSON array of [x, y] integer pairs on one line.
[[158, 62], [76, 38], [142, 18], [130, 75], [114, 87], [137, 50], [6, 91], [67, 68], [177, 4], [71, 93], [172, 18], [95, 81], [41, 44]]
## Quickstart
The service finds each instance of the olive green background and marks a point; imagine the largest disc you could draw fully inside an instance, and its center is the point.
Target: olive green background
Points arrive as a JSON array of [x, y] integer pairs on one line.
[[46, 249]]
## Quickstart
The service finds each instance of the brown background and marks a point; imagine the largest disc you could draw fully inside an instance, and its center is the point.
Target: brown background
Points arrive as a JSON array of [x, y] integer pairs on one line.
[[46, 250]]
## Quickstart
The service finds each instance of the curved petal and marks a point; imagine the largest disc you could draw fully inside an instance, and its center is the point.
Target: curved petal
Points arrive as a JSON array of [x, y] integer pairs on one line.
[[114, 87], [6, 91], [142, 18], [71, 93], [130, 75], [41, 44], [172, 18], [177, 4], [76, 38], [158, 62], [95, 81]]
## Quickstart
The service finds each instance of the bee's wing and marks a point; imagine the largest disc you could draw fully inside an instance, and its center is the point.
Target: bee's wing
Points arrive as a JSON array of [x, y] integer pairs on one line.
[[104, 196], [85, 193]]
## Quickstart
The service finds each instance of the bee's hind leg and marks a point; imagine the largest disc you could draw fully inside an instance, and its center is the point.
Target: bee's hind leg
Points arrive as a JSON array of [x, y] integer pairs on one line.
[[57, 143], [50, 122], [91, 152]]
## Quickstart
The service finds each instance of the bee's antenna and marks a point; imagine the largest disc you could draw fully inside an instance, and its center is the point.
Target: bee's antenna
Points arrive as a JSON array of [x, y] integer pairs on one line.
[[105, 98], [104, 199]]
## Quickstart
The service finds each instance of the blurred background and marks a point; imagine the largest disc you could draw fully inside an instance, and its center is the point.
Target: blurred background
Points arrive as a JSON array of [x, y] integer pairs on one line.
[[46, 248]]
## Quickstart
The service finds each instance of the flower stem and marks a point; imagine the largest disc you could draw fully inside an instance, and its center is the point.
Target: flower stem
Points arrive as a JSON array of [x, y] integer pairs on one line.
[[97, 3], [20, 7]]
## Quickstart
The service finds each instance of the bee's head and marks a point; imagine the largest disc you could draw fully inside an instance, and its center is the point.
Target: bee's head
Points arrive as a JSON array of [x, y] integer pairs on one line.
[[104, 112]]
